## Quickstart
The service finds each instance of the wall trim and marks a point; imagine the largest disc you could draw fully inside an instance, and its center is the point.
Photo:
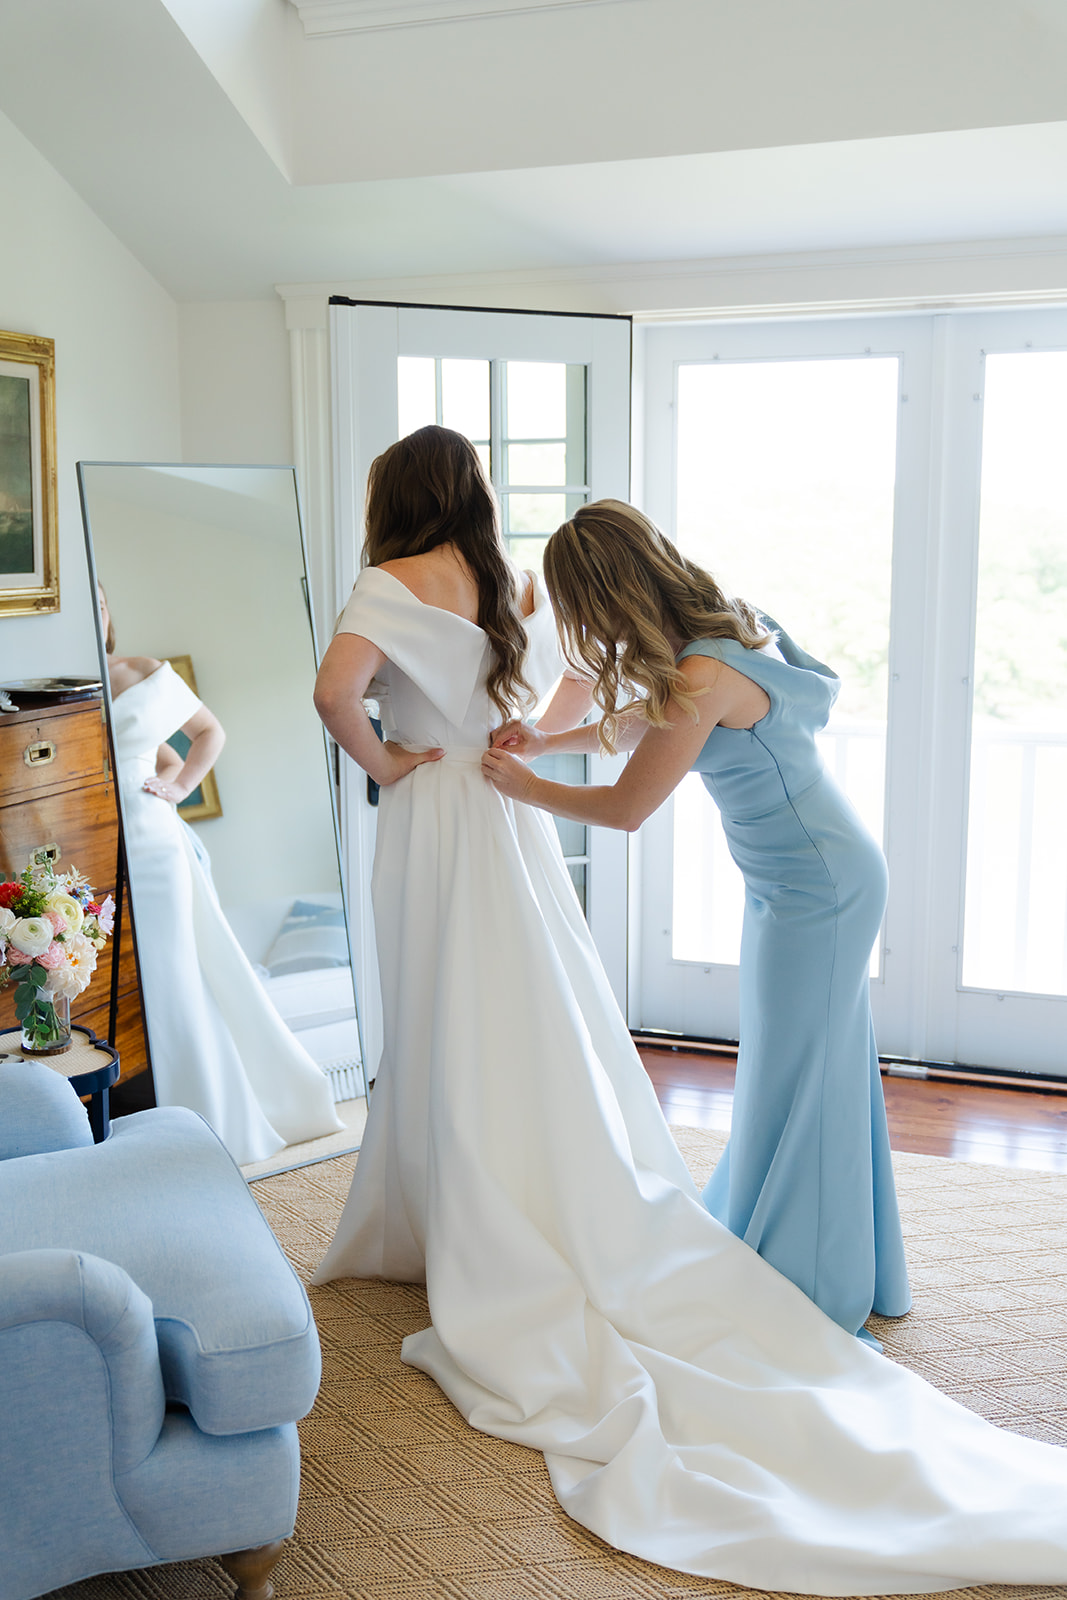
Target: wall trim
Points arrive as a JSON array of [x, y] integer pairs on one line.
[[885, 305], [331, 17], [973, 275]]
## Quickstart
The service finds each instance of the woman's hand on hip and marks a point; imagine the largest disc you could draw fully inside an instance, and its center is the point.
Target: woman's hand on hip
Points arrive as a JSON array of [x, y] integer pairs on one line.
[[508, 775], [402, 761], [520, 739], [170, 792]]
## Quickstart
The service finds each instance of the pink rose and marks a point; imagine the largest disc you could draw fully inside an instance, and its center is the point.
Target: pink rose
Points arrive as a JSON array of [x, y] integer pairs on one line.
[[15, 958], [57, 922], [52, 958]]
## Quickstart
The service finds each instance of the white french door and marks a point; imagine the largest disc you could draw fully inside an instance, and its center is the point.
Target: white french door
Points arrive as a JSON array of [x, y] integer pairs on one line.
[[546, 400], [998, 887], [893, 492]]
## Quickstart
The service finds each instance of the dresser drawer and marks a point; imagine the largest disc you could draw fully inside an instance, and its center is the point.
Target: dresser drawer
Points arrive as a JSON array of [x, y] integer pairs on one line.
[[81, 827], [43, 751]]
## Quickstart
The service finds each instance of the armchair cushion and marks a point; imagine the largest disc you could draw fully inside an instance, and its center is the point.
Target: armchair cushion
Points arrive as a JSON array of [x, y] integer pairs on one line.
[[162, 1200], [40, 1111]]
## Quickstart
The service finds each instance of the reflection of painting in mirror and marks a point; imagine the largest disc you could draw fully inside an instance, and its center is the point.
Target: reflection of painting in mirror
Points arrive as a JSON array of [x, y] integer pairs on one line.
[[29, 567], [208, 562], [204, 801]]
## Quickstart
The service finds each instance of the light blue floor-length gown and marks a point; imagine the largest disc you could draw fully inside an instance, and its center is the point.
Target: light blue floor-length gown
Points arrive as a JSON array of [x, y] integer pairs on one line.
[[806, 1178]]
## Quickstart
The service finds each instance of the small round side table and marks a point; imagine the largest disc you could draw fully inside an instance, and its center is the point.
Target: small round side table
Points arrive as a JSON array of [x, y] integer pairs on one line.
[[91, 1065]]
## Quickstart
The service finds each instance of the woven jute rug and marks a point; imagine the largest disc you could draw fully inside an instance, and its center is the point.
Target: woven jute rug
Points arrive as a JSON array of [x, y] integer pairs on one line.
[[401, 1500]]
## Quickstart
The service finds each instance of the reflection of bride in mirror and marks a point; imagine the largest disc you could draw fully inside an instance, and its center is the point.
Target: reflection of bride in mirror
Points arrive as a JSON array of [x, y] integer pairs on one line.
[[218, 1045]]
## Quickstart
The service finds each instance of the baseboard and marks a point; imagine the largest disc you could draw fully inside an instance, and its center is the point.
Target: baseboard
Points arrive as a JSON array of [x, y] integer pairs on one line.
[[892, 1066]]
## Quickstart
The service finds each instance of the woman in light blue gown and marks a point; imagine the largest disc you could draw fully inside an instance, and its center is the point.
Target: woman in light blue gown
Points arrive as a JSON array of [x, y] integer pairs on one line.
[[806, 1179]]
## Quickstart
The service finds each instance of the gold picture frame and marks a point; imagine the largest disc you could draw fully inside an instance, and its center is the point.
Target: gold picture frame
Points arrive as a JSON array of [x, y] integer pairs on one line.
[[29, 539], [204, 801]]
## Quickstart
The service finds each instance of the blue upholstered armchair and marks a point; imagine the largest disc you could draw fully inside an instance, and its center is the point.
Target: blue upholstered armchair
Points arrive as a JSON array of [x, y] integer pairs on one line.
[[156, 1349]]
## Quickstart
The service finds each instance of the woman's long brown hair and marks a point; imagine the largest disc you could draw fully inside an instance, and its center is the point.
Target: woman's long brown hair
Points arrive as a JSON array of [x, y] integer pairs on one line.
[[619, 589], [427, 490]]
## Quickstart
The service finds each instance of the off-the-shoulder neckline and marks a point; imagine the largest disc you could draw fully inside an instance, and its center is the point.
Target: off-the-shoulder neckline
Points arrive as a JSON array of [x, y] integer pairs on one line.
[[538, 605], [155, 672]]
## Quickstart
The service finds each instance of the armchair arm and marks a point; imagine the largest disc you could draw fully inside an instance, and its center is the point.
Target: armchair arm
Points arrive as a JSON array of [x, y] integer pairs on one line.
[[63, 1311], [39, 1111], [81, 1398]]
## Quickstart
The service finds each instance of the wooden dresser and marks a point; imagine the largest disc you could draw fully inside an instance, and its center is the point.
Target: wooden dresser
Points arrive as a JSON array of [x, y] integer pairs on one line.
[[57, 792]]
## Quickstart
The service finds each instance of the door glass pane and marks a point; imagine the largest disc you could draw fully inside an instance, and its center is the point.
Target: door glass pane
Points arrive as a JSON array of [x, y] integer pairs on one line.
[[785, 485], [452, 393], [416, 381], [573, 836], [531, 465], [465, 398], [1015, 928], [536, 400], [533, 513]]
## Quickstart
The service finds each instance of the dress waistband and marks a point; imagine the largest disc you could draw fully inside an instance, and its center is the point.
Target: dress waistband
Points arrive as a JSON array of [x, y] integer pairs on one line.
[[459, 755]]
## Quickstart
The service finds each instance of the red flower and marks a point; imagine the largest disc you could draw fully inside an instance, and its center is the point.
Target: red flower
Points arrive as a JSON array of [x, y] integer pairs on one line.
[[10, 894], [93, 908]]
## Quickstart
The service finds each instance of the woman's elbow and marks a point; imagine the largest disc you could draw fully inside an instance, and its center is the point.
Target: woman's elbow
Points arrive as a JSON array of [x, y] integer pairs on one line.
[[633, 821], [628, 817], [326, 699]]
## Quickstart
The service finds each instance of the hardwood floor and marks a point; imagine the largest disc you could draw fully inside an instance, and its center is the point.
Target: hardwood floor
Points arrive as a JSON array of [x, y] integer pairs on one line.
[[993, 1126]]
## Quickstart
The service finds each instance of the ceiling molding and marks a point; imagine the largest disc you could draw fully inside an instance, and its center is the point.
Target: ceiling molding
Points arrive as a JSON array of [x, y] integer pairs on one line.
[[883, 305], [950, 252], [1002, 274], [325, 17]]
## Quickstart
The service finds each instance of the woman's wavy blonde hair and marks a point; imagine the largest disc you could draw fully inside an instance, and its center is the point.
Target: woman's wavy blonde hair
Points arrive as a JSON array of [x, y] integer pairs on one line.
[[429, 489], [619, 589]]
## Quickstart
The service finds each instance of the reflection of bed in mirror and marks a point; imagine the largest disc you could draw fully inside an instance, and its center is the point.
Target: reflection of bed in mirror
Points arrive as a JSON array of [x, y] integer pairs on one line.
[[207, 563]]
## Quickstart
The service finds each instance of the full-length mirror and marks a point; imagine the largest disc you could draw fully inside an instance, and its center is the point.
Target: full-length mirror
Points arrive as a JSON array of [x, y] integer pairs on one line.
[[226, 796]]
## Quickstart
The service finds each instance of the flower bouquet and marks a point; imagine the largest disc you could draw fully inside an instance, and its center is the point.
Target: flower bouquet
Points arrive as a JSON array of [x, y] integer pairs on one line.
[[51, 927]]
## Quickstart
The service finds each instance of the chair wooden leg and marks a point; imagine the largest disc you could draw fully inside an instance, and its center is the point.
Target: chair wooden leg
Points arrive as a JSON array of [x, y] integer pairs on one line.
[[252, 1569]]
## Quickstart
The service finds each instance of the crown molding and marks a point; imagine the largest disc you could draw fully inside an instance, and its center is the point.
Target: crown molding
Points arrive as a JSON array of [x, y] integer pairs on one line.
[[971, 275], [326, 17]]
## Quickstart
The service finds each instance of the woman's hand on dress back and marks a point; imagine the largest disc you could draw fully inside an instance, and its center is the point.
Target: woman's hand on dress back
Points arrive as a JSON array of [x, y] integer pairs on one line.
[[402, 761], [509, 776], [520, 739]]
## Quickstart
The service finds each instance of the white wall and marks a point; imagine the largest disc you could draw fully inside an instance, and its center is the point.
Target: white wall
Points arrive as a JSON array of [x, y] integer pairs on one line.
[[65, 276], [234, 359]]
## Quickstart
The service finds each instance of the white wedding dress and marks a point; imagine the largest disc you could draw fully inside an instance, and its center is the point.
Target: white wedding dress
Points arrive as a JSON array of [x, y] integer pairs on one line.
[[217, 1043], [693, 1407]]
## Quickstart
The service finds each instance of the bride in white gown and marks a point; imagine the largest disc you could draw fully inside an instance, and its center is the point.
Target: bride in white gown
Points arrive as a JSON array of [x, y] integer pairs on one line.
[[693, 1407], [218, 1045]]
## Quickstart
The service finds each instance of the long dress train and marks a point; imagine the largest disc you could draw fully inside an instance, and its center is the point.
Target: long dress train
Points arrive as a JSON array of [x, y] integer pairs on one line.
[[693, 1406], [218, 1045]]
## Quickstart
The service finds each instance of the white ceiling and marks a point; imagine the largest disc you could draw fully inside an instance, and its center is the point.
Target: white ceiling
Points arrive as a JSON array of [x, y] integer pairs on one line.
[[231, 151]]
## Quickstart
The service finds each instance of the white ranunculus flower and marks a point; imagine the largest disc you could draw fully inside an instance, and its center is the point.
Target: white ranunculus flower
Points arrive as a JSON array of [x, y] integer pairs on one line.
[[68, 909], [8, 920], [31, 935]]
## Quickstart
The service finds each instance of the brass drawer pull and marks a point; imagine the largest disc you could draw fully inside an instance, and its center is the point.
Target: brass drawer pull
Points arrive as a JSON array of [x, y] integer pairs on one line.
[[39, 754]]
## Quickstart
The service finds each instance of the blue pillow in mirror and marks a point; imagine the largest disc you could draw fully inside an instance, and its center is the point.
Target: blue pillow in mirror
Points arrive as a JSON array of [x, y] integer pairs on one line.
[[312, 935]]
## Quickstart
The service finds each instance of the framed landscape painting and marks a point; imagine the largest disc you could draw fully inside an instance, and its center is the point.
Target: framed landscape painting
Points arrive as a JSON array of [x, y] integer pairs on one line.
[[29, 554]]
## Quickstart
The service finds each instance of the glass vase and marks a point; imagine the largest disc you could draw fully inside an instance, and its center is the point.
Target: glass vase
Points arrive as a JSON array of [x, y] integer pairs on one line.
[[46, 1029]]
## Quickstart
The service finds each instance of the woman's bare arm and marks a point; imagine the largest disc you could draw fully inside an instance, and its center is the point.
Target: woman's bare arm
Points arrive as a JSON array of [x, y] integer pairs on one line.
[[661, 761], [206, 739], [345, 676]]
